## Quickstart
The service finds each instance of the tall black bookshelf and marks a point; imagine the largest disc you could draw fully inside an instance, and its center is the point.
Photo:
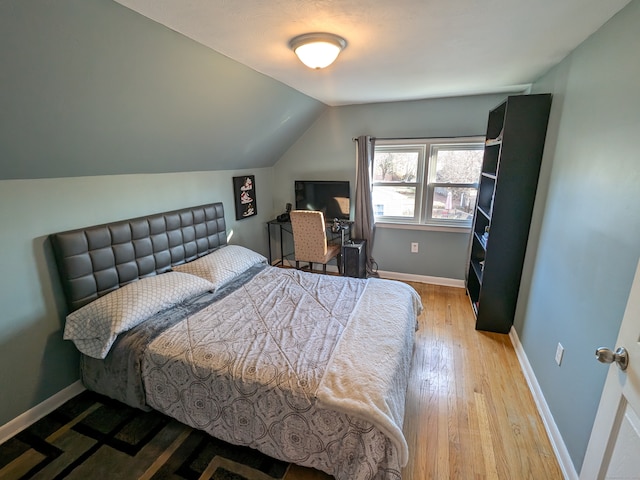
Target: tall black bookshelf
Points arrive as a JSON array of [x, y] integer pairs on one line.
[[516, 131]]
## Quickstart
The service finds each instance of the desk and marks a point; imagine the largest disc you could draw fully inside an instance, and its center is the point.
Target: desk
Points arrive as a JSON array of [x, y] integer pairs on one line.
[[286, 231]]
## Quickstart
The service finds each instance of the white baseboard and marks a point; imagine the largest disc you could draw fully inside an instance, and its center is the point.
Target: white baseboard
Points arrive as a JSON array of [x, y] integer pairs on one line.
[[559, 447], [31, 416], [411, 277]]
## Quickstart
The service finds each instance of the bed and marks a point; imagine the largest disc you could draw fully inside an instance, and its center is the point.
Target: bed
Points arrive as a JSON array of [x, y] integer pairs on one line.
[[307, 368]]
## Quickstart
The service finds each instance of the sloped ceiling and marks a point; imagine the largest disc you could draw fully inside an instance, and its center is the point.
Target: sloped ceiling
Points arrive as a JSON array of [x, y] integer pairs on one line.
[[91, 88], [400, 50]]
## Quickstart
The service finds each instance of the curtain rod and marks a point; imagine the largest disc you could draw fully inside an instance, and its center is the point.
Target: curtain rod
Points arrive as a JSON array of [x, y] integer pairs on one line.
[[355, 139]]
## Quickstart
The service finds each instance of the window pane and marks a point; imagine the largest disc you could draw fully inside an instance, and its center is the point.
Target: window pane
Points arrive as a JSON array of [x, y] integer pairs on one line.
[[456, 165], [453, 203], [400, 166], [396, 201]]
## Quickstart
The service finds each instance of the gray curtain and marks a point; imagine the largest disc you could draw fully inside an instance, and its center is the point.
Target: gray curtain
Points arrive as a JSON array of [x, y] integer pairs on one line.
[[364, 223]]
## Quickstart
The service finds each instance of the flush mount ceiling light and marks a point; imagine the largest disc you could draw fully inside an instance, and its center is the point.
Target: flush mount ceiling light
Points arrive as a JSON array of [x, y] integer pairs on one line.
[[317, 50]]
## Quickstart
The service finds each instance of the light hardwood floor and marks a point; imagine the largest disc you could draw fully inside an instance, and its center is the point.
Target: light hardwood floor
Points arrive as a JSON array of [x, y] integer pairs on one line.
[[469, 412]]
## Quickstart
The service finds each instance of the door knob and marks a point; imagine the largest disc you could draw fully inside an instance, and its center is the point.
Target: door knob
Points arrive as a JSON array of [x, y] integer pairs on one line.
[[620, 356]]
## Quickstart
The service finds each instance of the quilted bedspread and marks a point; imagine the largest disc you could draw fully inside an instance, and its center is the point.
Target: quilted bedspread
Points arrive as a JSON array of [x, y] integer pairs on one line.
[[268, 366]]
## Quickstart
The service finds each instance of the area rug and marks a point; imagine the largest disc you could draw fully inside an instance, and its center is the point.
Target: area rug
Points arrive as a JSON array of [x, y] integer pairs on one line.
[[94, 437]]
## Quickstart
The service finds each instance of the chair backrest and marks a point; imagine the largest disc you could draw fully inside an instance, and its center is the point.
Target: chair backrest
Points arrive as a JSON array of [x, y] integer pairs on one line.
[[309, 235]]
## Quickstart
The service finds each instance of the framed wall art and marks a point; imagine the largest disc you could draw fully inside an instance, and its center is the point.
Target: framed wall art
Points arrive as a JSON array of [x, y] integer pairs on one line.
[[244, 193]]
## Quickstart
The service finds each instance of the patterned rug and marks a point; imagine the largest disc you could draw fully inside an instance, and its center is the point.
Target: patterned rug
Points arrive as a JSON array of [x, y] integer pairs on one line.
[[93, 437]]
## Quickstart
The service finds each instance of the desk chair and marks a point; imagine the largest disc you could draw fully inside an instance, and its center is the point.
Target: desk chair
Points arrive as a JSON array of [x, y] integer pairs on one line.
[[310, 240]]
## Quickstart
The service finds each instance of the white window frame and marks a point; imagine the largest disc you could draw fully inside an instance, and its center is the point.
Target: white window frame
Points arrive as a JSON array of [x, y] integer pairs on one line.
[[425, 179]]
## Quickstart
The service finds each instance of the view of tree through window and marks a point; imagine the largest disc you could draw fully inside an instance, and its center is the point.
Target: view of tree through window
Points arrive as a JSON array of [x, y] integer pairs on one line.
[[457, 170], [430, 181], [396, 166], [395, 173]]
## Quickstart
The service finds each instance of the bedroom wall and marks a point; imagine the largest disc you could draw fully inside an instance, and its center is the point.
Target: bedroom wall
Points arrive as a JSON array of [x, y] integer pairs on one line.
[[584, 245], [91, 88], [35, 362], [326, 151], [105, 115]]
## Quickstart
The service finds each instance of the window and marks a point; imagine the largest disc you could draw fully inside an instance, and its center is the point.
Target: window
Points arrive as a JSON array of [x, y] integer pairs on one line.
[[431, 181]]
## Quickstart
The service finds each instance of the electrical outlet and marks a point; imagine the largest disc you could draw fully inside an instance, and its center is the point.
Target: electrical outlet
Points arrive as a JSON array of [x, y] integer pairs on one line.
[[414, 247], [559, 353]]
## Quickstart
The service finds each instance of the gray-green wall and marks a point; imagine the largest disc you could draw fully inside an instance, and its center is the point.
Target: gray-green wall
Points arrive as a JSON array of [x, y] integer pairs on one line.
[[326, 151], [35, 362], [105, 115], [89, 87], [584, 243], [109, 105]]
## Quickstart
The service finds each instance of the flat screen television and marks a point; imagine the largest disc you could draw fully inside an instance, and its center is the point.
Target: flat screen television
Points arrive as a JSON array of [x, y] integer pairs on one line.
[[332, 197]]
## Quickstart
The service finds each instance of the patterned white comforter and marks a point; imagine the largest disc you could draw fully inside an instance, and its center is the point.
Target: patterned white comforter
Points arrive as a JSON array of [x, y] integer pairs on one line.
[[268, 367]]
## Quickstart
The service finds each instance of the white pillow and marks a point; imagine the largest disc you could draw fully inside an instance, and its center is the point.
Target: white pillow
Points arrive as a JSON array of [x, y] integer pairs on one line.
[[94, 327], [222, 265]]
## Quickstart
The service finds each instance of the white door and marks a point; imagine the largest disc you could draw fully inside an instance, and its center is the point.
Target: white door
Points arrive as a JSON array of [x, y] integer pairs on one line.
[[614, 447]]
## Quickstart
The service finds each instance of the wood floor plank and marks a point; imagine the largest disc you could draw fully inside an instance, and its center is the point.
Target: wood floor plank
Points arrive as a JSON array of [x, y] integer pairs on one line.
[[469, 411]]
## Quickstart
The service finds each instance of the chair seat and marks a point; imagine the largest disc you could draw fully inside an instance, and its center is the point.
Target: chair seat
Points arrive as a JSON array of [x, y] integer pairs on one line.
[[332, 251]]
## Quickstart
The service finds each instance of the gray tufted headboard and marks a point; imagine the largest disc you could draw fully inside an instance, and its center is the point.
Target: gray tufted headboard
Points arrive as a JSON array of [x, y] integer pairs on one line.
[[96, 260]]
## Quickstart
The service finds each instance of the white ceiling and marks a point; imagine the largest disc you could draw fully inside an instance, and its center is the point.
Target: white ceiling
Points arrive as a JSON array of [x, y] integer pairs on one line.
[[397, 50]]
